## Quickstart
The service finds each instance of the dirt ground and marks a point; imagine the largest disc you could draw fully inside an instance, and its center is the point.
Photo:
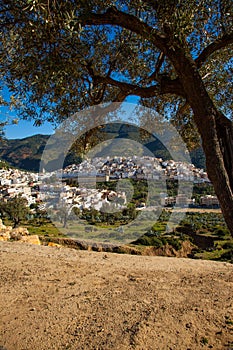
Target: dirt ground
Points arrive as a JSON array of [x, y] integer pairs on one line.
[[60, 298]]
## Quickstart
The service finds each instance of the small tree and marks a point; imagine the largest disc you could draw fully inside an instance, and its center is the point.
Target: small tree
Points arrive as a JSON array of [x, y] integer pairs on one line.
[[16, 209], [63, 214]]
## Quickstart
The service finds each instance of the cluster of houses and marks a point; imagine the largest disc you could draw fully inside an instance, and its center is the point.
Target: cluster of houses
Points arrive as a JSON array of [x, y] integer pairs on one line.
[[209, 201], [58, 195], [181, 200], [37, 188], [33, 187], [14, 182], [146, 167]]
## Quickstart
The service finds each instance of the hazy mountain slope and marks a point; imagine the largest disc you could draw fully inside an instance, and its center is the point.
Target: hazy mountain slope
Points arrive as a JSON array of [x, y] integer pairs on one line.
[[24, 153]]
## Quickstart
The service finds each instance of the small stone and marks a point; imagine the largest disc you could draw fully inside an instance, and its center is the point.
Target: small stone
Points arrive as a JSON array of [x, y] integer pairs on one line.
[[52, 244], [33, 239]]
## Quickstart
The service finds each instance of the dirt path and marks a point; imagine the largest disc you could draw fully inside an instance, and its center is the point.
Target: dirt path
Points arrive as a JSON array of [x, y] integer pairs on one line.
[[59, 298]]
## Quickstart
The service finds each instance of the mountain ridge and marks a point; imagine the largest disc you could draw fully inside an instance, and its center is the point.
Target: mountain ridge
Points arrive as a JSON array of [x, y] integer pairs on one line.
[[26, 153]]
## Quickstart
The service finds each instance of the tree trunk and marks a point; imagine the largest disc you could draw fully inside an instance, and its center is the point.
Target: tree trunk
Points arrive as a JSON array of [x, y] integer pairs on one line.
[[65, 220], [217, 140], [215, 129], [224, 129]]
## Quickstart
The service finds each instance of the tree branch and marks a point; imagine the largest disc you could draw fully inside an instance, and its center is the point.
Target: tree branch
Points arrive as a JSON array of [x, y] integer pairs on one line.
[[218, 44], [154, 75], [154, 4], [115, 17], [171, 86], [166, 86], [129, 89]]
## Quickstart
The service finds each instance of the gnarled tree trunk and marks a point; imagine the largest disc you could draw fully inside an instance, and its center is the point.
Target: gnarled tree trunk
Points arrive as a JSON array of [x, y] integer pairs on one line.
[[224, 129], [215, 129], [217, 140]]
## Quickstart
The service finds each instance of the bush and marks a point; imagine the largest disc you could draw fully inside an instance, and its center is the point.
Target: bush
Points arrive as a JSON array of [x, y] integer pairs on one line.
[[221, 232], [156, 242], [145, 240], [228, 256], [175, 243], [149, 241], [228, 245]]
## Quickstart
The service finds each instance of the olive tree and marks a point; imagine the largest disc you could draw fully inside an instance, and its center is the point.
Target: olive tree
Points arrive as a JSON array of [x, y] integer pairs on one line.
[[16, 209], [59, 57]]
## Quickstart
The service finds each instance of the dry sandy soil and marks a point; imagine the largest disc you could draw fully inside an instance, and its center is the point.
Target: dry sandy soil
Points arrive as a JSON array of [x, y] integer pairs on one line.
[[60, 298]]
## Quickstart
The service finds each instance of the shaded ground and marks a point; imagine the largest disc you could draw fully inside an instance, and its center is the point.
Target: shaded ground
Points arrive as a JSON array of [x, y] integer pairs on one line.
[[60, 298]]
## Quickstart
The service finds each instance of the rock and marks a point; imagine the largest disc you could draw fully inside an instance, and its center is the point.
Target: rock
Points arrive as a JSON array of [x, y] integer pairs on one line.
[[4, 235], [52, 244], [2, 238], [18, 233], [33, 239], [2, 227], [15, 235], [23, 231]]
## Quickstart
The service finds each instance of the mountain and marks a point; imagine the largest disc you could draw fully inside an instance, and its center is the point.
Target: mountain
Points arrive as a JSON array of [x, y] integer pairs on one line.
[[26, 153]]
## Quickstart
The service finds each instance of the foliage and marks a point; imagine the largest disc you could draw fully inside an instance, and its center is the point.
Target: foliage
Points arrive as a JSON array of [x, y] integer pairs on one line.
[[61, 56], [228, 245], [4, 165], [221, 232], [149, 241], [158, 242], [118, 218], [16, 209], [24, 153], [42, 227], [227, 256]]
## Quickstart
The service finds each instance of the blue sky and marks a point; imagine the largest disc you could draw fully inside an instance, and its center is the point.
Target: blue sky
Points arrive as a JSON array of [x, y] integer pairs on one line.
[[23, 128], [26, 128]]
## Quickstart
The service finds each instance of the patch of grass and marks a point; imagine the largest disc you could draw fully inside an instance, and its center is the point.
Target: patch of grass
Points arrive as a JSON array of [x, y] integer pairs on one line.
[[229, 322], [47, 229], [204, 341], [214, 255]]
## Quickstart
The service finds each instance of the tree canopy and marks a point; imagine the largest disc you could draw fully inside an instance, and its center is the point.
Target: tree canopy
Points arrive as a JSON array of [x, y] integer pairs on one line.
[[58, 57], [61, 56], [16, 209]]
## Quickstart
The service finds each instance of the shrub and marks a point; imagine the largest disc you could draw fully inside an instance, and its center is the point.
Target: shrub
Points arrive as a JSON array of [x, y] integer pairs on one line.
[[228, 256], [204, 341], [228, 245], [175, 243], [221, 232]]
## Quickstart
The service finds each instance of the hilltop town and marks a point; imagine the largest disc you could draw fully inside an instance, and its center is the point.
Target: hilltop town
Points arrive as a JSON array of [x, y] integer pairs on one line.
[[35, 186]]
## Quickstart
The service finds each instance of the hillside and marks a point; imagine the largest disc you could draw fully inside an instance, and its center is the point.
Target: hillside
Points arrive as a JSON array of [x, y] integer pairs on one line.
[[60, 298], [26, 153]]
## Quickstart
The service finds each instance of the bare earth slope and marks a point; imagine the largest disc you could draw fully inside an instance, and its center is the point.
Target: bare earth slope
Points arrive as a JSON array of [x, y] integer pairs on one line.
[[59, 298]]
